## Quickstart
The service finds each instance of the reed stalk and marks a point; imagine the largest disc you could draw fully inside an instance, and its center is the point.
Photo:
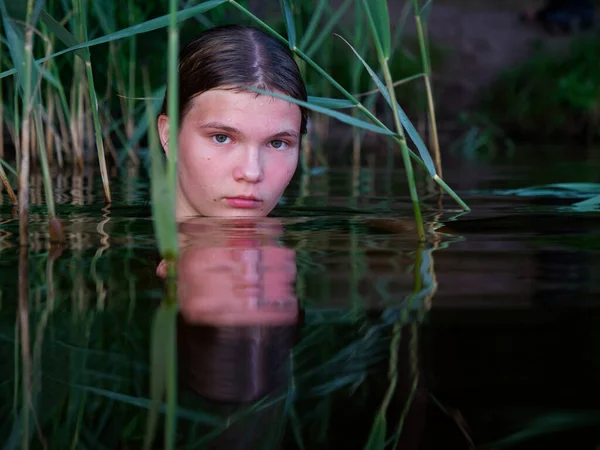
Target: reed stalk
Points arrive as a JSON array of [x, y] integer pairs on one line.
[[25, 143], [163, 184], [23, 326], [79, 7], [88, 123], [1, 107], [55, 226], [171, 299], [16, 121], [426, 63], [173, 86], [403, 147], [50, 105], [51, 110], [7, 186], [130, 124], [3, 177], [64, 133], [76, 156]]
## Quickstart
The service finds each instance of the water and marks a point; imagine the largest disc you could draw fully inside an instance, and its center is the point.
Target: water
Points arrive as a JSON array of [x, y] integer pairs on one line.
[[317, 327]]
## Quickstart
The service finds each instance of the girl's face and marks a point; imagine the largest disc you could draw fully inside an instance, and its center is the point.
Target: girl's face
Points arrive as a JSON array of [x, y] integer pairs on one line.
[[237, 153]]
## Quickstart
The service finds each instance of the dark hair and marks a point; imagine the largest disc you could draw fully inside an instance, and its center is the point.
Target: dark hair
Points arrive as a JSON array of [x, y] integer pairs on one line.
[[234, 364], [233, 56]]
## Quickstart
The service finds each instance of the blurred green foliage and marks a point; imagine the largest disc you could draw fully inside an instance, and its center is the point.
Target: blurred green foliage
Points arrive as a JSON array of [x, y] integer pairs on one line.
[[553, 95]]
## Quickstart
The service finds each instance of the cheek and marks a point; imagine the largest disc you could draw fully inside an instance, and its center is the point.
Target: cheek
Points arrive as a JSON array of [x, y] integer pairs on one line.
[[197, 167], [280, 171]]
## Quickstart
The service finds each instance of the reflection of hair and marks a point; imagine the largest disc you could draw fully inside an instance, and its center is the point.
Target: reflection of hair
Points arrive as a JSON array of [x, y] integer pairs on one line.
[[235, 56], [234, 364]]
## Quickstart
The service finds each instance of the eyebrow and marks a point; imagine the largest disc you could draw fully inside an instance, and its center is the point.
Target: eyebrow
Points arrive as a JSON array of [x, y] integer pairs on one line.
[[232, 130]]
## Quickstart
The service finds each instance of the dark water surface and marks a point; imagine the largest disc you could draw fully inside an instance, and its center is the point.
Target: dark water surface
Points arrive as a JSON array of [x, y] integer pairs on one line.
[[326, 326]]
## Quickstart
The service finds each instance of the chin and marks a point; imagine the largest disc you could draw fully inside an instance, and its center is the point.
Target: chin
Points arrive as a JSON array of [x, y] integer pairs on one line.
[[240, 212]]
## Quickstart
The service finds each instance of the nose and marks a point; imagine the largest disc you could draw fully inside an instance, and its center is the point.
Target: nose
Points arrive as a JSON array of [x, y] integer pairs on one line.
[[250, 167]]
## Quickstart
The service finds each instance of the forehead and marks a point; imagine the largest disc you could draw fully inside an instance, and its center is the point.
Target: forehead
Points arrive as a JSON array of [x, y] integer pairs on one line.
[[239, 108]]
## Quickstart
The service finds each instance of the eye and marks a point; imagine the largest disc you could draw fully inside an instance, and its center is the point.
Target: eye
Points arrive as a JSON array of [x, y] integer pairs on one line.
[[221, 139], [279, 145]]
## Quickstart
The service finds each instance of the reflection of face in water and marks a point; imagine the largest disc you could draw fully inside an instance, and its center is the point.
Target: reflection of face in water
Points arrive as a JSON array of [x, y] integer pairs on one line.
[[238, 309]]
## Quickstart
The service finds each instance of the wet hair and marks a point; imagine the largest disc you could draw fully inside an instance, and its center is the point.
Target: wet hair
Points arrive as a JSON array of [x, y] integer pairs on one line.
[[234, 56], [234, 364]]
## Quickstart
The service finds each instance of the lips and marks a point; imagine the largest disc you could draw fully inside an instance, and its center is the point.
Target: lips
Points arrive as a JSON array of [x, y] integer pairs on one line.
[[244, 202]]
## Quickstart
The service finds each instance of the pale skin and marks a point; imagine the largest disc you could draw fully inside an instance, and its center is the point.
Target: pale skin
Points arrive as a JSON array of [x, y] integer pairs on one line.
[[233, 272], [237, 152]]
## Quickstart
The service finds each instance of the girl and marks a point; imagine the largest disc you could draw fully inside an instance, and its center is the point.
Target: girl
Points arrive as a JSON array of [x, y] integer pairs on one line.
[[237, 150]]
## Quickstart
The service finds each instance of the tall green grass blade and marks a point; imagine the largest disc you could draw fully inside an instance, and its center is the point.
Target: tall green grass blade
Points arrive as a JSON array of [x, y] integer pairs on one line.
[[335, 114], [98, 132], [377, 12], [173, 114], [162, 193], [289, 22], [82, 19], [142, 127], [16, 45], [592, 204], [10, 168], [406, 123], [312, 25], [17, 9], [356, 68], [378, 432], [140, 402], [145, 27], [559, 190], [105, 13], [400, 26], [49, 195], [548, 424], [335, 18], [62, 34], [332, 103], [4, 181], [157, 372], [170, 345], [382, 56]]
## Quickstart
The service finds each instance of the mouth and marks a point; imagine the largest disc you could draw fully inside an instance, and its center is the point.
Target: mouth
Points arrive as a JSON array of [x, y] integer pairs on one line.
[[244, 202]]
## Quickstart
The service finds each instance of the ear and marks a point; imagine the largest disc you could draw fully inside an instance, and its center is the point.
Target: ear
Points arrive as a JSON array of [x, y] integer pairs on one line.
[[161, 270], [163, 132]]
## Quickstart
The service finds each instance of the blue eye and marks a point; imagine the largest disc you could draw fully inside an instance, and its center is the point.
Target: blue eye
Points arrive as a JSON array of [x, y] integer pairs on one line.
[[221, 139], [279, 145]]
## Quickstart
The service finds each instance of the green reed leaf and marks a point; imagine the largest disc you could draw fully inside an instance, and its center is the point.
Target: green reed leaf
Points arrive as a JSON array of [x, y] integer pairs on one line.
[[144, 27], [162, 194], [591, 204], [8, 167], [406, 123], [142, 127], [312, 24], [17, 9], [558, 190], [377, 435], [289, 22], [336, 115], [105, 13], [16, 44], [332, 103], [550, 423], [63, 34], [158, 357], [379, 17], [196, 416], [335, 18]]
